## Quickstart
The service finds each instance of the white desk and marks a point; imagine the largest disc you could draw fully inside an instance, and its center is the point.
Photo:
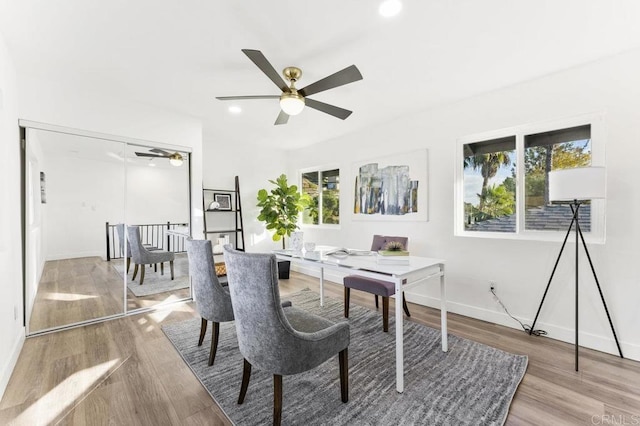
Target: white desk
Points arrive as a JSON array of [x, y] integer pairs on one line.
[[419, 269]]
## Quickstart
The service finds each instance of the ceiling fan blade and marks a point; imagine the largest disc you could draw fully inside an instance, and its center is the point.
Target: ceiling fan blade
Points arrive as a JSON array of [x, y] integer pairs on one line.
[[265, 66], [340, 78], [160, 151], [144, 154], [338, 112], [233, 98], [283, 118]]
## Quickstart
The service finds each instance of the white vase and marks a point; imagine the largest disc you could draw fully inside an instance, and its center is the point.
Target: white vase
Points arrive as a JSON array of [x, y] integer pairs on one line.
[[296, 243]]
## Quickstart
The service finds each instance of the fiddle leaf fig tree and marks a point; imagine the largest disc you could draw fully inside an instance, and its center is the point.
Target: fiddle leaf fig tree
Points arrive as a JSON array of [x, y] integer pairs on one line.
[[280, 207]]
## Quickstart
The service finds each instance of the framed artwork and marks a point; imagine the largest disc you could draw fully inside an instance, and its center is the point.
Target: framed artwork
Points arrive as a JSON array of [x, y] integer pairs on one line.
[[43, 189], [223, 200], [392, 188]]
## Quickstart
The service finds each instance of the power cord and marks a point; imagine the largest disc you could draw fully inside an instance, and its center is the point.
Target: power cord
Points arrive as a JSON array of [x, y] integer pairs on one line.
[[525, 327]]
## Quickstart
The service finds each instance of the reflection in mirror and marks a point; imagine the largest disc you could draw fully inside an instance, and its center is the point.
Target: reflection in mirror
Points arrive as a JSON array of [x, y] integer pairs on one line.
[[157, 217], [74, 184]]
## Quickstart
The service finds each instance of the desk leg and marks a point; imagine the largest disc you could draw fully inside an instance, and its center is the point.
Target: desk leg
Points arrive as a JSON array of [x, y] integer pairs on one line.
[[321, 286], [399, 337], [443, 311]]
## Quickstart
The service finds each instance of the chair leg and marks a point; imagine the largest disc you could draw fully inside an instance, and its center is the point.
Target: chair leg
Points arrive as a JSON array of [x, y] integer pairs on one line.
[[128, 264], [203, 330], [171, 265], [404, 305], [385, 314], [347, 294], [277, 399], [135, 272], [141, 274], [215, 333], [155, 267], [246, 375], [376, 296], [161, 268], [344, 375]]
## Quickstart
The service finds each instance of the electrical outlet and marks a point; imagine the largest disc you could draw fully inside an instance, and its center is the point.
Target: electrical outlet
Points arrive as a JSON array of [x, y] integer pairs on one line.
[[493, 286]]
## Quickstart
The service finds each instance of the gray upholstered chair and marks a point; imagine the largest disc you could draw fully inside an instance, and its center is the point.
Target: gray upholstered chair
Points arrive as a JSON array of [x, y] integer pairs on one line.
[[281, 341], [141, 256], [385, 289], [213, 301], [123, 251]]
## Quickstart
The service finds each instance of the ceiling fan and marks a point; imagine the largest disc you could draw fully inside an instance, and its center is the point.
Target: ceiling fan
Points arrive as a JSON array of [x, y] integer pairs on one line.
[[175, 159], [292, 100]]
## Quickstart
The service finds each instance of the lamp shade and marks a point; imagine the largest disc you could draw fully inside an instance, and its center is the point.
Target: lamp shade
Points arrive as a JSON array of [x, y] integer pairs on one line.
[[583, 183]]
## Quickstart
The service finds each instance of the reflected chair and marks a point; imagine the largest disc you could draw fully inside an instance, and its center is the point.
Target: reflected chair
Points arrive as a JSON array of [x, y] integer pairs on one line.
[[141, 256], [124, 252], [377, 287], [213, 301], [281, 341]]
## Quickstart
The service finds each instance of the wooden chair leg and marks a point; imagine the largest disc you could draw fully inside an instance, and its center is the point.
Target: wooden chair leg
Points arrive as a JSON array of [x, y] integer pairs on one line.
[[344, 375], [347, 294], [162, 268], [246, 375], [141, 274], [135, 272], [376, 297], [404, 305], [203, 330], [385, 314], [171, 265], [155, 267], [277, 399], [128, 264], [215, 332]]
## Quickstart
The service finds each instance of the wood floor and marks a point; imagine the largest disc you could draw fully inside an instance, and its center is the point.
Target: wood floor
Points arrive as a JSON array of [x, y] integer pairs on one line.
[[82, 289], [125, 372]]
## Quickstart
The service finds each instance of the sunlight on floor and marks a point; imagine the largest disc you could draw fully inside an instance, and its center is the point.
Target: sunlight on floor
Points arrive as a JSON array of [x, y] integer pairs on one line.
[[67, 393], [161, 315], [67, 297]]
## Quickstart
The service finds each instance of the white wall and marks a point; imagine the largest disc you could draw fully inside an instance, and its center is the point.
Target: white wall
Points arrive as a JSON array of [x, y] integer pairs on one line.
[[521, 268], [12, 330], [254, 166]]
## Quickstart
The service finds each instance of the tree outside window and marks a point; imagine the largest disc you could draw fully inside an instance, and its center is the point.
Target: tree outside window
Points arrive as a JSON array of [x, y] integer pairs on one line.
[[323, 186]]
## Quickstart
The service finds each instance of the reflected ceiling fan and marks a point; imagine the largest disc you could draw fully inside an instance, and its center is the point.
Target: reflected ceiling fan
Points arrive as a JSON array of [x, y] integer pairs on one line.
[[175, 159], [292, 100]]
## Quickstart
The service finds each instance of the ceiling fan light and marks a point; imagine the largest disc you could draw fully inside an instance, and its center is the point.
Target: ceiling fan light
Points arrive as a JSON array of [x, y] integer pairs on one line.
[[291, 103], [175, 159]]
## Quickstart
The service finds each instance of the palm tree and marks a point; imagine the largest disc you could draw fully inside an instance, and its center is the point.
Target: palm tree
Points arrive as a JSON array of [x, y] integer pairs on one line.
[[488, 164]]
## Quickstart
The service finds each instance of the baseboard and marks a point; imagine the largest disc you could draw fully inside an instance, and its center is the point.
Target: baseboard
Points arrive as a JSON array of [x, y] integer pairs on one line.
[[8, 368], [564, 334], [76, 255]]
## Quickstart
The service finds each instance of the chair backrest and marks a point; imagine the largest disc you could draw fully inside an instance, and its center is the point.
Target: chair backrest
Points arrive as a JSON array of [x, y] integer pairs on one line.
[[265, 336], [212, 300], [121, 237], [380, 242], [136, 249]]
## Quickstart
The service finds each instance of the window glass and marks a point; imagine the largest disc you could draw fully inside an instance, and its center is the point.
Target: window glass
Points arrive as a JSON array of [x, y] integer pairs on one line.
[[331, 197], [310, 187], [544, 152], [490, 185]]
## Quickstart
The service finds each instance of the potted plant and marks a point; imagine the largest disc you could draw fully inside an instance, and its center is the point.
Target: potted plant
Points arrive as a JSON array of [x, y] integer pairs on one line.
[[280, 208]]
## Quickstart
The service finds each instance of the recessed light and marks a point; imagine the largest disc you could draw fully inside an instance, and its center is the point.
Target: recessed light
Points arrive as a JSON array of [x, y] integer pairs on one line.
[[235, 109], [390, 8]]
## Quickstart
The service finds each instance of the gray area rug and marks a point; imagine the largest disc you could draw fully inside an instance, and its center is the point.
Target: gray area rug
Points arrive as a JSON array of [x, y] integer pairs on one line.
[[472, 384], [154, 282]]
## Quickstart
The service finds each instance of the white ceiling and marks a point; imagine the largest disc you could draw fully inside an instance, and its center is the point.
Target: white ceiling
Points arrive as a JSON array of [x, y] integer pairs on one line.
[[181, 54]]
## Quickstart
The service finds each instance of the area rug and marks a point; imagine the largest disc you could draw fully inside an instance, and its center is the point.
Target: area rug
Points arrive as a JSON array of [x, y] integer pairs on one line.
[[472, 384], [154, 282]]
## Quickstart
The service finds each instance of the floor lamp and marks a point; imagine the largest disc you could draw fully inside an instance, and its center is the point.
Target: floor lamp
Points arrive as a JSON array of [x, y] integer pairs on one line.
[[574, 187]]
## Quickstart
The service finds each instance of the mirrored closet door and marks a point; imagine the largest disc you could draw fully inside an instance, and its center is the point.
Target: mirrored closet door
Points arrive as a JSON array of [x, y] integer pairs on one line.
[[84, 195]]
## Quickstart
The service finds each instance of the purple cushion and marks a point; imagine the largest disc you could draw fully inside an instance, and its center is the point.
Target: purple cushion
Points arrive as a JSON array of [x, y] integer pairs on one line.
[[370, 285]]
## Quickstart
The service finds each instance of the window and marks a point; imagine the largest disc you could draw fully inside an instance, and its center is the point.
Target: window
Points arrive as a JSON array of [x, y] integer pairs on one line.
[[503, 180], [323, 186]]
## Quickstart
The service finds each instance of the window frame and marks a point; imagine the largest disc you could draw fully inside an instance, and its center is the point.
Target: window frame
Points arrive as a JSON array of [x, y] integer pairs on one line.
[[598, 145], [320, 169]]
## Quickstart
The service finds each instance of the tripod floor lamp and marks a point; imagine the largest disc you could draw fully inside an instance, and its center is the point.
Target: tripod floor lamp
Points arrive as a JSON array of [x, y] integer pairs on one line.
[[575, 187]]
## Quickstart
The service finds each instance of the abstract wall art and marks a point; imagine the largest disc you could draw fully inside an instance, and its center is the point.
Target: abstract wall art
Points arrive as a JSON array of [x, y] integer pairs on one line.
[[391, 188]]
